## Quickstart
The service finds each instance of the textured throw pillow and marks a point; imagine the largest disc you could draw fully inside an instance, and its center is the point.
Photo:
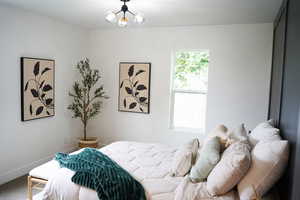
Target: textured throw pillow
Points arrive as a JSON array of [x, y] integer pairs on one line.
[[271, 122], [220, 131], [269, 160], [184, 158], [194, 145], [209, 157], [264, 132], [187, 190], [232, 167], [239, 134]]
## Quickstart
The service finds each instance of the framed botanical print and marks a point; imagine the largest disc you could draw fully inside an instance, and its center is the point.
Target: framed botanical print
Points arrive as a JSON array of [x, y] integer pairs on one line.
[[37, 88], [134, 87]]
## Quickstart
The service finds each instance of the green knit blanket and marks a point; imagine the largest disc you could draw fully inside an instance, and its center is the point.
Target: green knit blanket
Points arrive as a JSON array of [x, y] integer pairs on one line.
[[98, 172]]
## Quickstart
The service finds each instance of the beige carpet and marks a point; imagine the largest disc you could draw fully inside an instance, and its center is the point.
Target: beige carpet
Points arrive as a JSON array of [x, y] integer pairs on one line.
[[15, 190]]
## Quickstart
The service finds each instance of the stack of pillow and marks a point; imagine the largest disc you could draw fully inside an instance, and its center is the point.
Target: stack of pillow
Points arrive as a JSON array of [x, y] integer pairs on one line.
[[229, 159], [269, 159]]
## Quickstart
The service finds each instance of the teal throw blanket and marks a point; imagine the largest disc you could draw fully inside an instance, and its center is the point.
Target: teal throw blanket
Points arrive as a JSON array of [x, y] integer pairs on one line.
[[98, 172]]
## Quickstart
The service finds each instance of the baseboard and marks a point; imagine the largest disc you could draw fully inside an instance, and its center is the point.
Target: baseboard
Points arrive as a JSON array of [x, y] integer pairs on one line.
[[21, 171]]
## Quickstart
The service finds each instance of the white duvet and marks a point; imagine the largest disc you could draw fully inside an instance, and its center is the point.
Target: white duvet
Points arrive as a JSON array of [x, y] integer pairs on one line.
[[148, 163]]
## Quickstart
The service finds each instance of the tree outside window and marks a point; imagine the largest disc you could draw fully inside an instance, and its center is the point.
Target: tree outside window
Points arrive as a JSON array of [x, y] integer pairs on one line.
[[189, 90]]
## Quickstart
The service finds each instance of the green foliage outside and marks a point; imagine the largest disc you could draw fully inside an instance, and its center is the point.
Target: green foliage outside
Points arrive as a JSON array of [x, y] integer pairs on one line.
[[190, 64]]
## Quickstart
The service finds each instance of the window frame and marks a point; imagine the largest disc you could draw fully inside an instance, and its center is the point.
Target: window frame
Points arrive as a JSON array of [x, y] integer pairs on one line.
[[173, 91]]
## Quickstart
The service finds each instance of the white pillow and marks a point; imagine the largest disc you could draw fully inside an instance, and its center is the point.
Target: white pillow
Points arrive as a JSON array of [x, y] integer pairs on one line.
[[184, 158], [264, 132], [271, 122], [232, 167], [187, 190], [239, 134], [219, 131], [269, 160]]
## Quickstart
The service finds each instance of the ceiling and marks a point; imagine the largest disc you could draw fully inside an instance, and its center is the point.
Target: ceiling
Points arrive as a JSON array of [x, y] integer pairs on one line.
[[91, 13]]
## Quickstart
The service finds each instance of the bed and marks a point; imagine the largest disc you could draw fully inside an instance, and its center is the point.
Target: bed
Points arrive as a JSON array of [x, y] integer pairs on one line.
[[148, 163]]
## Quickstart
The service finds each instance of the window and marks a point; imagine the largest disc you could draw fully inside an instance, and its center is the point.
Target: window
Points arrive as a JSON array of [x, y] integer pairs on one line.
[[189, 90]]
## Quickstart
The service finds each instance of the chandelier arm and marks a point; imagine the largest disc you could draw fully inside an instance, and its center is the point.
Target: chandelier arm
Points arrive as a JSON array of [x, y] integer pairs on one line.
[[131, 13], [118, 12]]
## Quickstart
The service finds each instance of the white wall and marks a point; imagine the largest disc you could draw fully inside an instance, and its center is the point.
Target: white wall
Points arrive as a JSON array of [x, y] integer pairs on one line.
[[26, 144], [239, 76]]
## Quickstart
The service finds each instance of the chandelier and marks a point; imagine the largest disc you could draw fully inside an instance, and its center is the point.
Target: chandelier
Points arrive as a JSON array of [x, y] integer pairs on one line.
[[121, 17]]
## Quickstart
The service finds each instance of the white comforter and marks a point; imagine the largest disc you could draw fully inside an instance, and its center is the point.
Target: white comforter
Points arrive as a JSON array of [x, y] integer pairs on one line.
[[148, 163]]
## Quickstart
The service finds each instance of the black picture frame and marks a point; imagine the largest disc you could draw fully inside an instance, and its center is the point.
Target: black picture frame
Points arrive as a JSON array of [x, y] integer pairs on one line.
[[23, 85], [149, 65]]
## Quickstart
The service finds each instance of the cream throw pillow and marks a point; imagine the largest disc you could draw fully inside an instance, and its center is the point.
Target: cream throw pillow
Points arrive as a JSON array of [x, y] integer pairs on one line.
[[264, 132], [209, 157], [232, 167], [219, 131], [184, 158], [269, 160], [228, 137], [239, 134]]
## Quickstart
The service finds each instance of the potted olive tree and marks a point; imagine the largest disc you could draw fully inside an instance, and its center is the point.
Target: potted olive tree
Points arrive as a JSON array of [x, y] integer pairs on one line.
[[87, 99]]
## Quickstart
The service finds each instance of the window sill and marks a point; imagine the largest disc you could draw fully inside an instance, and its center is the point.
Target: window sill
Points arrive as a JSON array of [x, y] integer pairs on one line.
[[187, 130]]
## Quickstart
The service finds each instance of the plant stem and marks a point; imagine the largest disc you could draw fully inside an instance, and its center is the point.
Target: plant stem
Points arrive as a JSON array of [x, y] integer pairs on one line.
[[84, 131], [84, 115], [39, 96], [133, 93]]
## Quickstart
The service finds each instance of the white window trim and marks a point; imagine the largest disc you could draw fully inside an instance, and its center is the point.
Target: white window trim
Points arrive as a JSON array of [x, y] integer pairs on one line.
[[172, 97]]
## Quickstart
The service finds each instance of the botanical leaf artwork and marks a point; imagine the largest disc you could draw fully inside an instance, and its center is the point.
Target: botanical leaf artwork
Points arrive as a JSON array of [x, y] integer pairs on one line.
[[38, 88], [134, 87]]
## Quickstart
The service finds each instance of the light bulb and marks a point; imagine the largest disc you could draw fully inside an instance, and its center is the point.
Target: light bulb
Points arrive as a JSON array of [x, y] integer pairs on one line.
[[111, 17], [138, 18], [123, 21]]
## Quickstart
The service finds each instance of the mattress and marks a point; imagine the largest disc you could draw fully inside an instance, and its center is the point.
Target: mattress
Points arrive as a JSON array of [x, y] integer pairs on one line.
[[148, 163]]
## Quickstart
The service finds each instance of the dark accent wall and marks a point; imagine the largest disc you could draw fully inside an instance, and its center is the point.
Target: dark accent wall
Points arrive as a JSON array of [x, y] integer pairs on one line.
[[285, 91], [277, 64]]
